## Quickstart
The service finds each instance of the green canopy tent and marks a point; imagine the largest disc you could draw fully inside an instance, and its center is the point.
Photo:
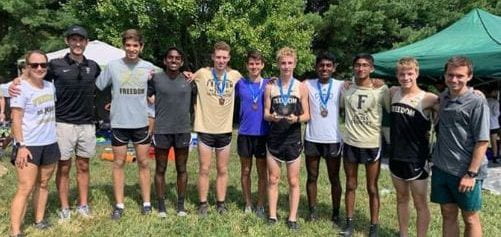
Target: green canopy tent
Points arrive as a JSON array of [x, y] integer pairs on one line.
[[477, 35]]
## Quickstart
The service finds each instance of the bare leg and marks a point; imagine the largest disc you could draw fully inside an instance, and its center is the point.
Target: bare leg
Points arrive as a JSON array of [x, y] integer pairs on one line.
[[26, 178], [312, 164], [333, 166], [450, 225], [262, 173], [144, 170], [63, 182], [41, 191], [351, 172], [273, 181], [472, 224], [160, 168], [222, 159], [372, 174], [119, 154], [293, 171], [204, 159], [83, 177], [403, 196], [245, 179], [182, 174], [419, 189]]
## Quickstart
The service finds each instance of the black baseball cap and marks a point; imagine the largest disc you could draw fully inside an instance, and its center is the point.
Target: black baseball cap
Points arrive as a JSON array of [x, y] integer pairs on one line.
[[76, 30]]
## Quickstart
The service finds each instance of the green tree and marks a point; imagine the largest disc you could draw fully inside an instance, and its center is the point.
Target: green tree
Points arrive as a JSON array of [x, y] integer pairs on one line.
[[195, 25], [264, 25], [354, 26], [27, 25]]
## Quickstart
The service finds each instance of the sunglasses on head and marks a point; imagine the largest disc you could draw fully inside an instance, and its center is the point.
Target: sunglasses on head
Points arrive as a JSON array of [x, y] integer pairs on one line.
[[36, 65]]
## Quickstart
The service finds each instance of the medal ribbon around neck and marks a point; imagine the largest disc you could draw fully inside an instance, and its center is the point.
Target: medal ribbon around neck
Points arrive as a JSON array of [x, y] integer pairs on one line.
[[255, 96], [323, 101], [219, 88], [285, 98]]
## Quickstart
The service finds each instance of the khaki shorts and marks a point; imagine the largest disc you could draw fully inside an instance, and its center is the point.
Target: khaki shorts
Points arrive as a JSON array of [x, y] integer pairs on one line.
[[76, 139]]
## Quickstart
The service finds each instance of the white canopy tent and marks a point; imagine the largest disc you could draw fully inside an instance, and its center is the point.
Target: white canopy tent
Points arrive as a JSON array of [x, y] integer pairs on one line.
[[96, 50]]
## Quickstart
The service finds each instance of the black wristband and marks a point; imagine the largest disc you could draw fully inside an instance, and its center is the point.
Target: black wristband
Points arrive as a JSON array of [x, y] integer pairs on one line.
[[472, 174]]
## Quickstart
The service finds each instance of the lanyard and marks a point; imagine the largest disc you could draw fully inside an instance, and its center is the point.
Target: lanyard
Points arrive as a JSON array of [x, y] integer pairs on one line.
[[255, 96], [285, 97], [324, 100], [220, 85]]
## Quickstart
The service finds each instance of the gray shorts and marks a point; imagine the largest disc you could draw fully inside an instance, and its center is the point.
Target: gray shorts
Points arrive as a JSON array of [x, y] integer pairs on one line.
[[76, 139]]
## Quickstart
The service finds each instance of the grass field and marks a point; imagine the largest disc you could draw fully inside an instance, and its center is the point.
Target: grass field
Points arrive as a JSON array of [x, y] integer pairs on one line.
[[234, 223]]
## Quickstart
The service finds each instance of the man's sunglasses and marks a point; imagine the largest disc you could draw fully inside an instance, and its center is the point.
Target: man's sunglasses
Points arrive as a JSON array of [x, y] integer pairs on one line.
[[36, 65]]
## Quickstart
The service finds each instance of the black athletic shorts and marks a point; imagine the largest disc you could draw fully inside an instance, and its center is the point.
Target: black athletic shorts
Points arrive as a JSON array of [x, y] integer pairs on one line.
[[409, 170], [249, 146], [41, 155], [494, 131], [325, 150], [216, 141], [285, 152], [359, 155], [122, 136], [166, 141]]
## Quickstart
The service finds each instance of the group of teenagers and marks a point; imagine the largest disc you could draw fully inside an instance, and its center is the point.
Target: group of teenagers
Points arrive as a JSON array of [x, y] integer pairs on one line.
[[53, 120]]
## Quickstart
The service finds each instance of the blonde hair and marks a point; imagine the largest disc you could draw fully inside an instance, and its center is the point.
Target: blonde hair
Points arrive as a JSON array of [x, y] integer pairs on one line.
[[31, 52], [286, 51], [407, 63], [221, 45]]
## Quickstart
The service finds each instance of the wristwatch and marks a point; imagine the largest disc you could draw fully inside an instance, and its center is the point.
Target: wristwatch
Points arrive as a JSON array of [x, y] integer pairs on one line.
[[472, 174], [20, 144]]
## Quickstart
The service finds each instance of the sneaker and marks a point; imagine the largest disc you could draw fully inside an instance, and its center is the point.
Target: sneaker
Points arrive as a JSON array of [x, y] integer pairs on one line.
[[248, 209], [373, 230], [221, 208], [272, 221], [42, 225], [146, 210], [64, 214], [347, 231], [162, 211], [293, 225], [260, 212], [335, 219], [313, 215], [181, 211], [162, 214], [202, 209], [117, 213], [84, 211], [18, 235]]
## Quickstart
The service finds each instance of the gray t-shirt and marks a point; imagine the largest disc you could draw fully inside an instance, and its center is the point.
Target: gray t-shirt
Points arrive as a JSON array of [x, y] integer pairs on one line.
[[173, 99], [463, 122], [129, 82]]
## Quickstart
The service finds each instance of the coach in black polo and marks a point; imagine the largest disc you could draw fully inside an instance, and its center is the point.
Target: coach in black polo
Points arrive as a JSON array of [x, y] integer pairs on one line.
[[74, 77]]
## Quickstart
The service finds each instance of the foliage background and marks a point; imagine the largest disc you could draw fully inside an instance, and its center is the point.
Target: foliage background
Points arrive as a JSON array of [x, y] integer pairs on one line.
[[344, 27]]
